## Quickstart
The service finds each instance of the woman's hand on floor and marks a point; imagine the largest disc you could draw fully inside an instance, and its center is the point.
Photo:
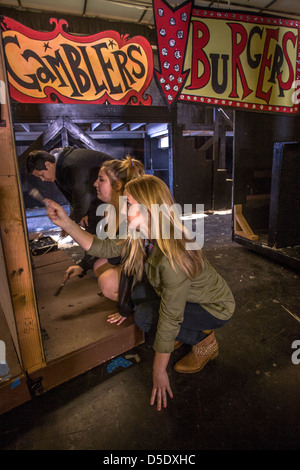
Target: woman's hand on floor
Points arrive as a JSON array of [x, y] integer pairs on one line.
[[116, 318], [161, 383]]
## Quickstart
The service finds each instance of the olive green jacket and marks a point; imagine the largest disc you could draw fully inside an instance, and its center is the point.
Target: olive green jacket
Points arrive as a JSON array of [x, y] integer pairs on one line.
[[209, 290]]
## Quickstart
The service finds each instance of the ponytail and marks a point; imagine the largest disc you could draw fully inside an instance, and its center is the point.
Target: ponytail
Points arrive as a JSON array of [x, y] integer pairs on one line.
[[123, 170]]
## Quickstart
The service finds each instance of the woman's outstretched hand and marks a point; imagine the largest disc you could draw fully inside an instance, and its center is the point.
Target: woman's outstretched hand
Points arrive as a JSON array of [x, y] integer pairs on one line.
[[57, 214], [59, 217]]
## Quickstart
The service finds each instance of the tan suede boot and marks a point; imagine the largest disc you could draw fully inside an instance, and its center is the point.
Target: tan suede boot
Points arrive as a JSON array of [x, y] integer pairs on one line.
[[200, 354]]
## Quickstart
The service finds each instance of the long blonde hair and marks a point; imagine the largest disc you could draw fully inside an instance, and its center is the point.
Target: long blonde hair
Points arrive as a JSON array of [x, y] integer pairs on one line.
[[152, 193]]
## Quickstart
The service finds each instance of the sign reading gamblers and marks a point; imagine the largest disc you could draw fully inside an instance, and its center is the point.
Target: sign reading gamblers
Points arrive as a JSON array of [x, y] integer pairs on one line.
[[43, 67], [227, 58]]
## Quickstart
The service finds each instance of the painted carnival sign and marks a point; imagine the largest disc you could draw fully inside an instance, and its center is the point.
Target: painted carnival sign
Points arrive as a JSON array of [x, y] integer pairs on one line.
[[205, 56], [43, 67], [227, 58]]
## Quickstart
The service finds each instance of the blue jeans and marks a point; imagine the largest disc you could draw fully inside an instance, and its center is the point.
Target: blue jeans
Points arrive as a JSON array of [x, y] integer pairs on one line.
[[196, 318]]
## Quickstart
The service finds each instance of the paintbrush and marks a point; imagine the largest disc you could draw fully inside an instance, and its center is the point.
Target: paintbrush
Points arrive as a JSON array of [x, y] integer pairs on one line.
[[37, 196], [63, 284]]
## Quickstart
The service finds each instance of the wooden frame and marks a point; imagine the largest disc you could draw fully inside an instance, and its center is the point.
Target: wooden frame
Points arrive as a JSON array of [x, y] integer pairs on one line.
[[16, 264], [15, 245], [241, 226]]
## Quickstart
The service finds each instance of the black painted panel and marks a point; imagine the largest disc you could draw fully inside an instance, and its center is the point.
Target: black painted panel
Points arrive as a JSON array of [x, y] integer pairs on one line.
[[284, 220]]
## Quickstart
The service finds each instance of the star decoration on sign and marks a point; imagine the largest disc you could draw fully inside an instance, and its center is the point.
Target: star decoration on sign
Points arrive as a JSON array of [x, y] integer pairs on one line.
[[112, 43], [46, 46]]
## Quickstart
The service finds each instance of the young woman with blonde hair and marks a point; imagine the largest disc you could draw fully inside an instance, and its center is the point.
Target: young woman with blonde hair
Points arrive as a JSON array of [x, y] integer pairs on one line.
[[185, 298], [112, 177]]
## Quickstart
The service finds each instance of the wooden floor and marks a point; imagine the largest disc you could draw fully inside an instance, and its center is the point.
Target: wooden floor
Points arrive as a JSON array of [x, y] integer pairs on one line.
[[77, 317]]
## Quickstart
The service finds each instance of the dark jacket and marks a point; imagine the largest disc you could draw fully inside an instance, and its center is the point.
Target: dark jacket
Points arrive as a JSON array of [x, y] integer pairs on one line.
[[76, 172]]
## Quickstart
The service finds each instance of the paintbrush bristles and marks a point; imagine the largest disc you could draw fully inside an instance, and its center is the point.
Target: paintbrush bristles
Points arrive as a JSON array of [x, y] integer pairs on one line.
[[37, 195]]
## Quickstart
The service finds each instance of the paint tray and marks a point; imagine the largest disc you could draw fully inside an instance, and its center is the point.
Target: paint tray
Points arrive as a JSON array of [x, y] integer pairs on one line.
[[43, 245]]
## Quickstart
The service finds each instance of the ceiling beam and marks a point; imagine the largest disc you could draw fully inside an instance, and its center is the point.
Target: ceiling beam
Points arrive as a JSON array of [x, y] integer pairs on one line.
[[136, 4], [245, 7], [26, 127], [116, 126], [84, 7], [94, 125], [31, 136], [269, 4], [136, 125]]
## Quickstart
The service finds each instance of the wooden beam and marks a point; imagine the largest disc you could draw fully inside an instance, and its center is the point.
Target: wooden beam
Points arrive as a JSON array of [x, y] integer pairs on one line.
[[241, 226], [52, 132], [206, 145], [15, 244], [226, 117], [81, 136], [64, 138], [48, 112]]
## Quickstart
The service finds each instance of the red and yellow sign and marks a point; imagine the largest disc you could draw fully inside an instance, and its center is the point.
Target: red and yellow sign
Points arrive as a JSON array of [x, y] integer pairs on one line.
[[227, 58], [242, 60], [57, 66]]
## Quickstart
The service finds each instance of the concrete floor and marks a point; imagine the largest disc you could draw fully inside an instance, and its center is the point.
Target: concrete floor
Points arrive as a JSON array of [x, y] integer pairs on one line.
[[246, 399]]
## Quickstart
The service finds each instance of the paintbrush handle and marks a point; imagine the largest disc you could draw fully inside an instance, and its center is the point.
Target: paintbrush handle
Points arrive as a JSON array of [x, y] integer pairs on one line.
[[63, 284]]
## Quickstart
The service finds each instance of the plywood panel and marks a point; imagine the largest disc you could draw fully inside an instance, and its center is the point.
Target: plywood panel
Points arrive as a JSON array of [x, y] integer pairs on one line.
[[284, 221], [77, 317]]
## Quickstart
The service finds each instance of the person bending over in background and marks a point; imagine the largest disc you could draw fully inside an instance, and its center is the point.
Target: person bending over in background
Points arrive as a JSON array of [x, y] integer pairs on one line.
[[74, 171]]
